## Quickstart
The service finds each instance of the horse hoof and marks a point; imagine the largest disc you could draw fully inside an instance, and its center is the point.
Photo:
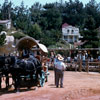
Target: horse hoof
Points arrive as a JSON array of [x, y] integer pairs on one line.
[[17, 91]]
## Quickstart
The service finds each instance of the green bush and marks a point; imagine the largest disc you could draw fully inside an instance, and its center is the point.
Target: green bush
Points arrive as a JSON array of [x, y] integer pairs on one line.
[[18, 35], [2, 39]]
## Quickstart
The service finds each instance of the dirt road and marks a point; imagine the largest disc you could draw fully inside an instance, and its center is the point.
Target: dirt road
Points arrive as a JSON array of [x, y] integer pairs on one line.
[[77, 86]]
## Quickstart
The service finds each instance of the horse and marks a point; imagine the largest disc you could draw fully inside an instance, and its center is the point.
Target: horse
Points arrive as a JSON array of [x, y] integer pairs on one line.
[[5, 63], [4, 70], [25, 67], [9, 63], [2, 64]]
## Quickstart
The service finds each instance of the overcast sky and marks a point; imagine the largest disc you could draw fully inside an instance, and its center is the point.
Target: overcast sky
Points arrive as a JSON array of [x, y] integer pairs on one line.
[[31, 2]]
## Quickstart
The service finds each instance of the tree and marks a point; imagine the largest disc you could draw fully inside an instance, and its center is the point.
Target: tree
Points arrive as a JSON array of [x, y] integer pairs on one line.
[[47, 39], [2, 39], [90, 34], [18, 35], [21, 17], [51, 37], [92, 8], [35, 31], [56, 35], [73, 13], [0, 12], [6, 10], [52, 16], [35, 12], [1, 28]]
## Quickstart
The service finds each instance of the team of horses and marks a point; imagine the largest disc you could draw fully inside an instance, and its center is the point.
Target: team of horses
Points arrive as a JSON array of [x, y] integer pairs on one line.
[[16, 68]]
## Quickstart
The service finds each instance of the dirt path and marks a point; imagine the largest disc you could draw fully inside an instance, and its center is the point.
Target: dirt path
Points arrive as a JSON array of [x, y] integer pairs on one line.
[[77, 86]]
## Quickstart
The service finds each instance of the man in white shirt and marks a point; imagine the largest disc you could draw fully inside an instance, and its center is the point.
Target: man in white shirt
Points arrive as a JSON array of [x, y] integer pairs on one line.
[[60, 67], [55, 61]]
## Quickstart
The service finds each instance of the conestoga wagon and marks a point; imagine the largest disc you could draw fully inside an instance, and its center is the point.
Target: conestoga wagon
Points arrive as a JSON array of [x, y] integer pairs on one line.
[[26, 69]]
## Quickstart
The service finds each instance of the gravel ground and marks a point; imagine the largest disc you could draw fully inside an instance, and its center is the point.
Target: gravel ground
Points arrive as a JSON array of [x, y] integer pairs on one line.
[[77, 86]]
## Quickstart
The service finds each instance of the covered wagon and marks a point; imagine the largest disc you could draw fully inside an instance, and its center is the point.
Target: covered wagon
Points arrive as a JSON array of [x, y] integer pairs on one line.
[[28, 47]]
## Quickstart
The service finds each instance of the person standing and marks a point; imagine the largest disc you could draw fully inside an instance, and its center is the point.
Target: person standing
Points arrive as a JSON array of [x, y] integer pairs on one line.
[[99, 58], [84, 60], [60, 67], [55, 61], [79, 60]]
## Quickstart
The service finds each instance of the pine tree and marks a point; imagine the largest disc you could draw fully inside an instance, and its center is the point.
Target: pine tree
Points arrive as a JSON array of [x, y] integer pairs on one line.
[[2, 39], [6, 10], [90, 34]]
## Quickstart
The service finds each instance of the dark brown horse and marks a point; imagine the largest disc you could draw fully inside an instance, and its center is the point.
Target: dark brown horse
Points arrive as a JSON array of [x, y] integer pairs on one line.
[[29, 67]]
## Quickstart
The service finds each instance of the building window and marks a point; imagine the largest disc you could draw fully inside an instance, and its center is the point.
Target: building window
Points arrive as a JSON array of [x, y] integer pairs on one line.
[[65, 37], [72, 31], [71, 39], [76, 38], [67, 31]]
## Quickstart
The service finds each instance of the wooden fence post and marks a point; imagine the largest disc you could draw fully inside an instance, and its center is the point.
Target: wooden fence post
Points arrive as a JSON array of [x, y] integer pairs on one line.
[[76, 66], [87, 66], [80, 65]]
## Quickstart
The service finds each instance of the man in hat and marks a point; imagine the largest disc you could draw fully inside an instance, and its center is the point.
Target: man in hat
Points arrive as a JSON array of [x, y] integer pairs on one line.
[[55, 61], [60, 67]]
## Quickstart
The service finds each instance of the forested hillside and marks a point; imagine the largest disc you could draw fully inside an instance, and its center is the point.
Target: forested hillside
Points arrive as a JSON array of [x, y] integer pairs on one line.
[[44, 22]]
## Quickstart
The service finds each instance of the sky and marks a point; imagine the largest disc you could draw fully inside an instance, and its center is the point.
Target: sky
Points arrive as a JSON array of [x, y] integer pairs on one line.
[[31, 2]]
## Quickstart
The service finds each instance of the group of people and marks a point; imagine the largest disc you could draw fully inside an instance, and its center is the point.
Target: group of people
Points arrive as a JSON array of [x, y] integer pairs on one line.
[[60, 66]]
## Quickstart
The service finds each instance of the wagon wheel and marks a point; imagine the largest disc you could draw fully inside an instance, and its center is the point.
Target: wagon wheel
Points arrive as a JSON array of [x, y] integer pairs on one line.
[[42, 79]]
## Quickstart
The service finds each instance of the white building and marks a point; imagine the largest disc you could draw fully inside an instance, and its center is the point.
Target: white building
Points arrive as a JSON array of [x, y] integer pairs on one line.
[[6, 23], [70, 34]]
